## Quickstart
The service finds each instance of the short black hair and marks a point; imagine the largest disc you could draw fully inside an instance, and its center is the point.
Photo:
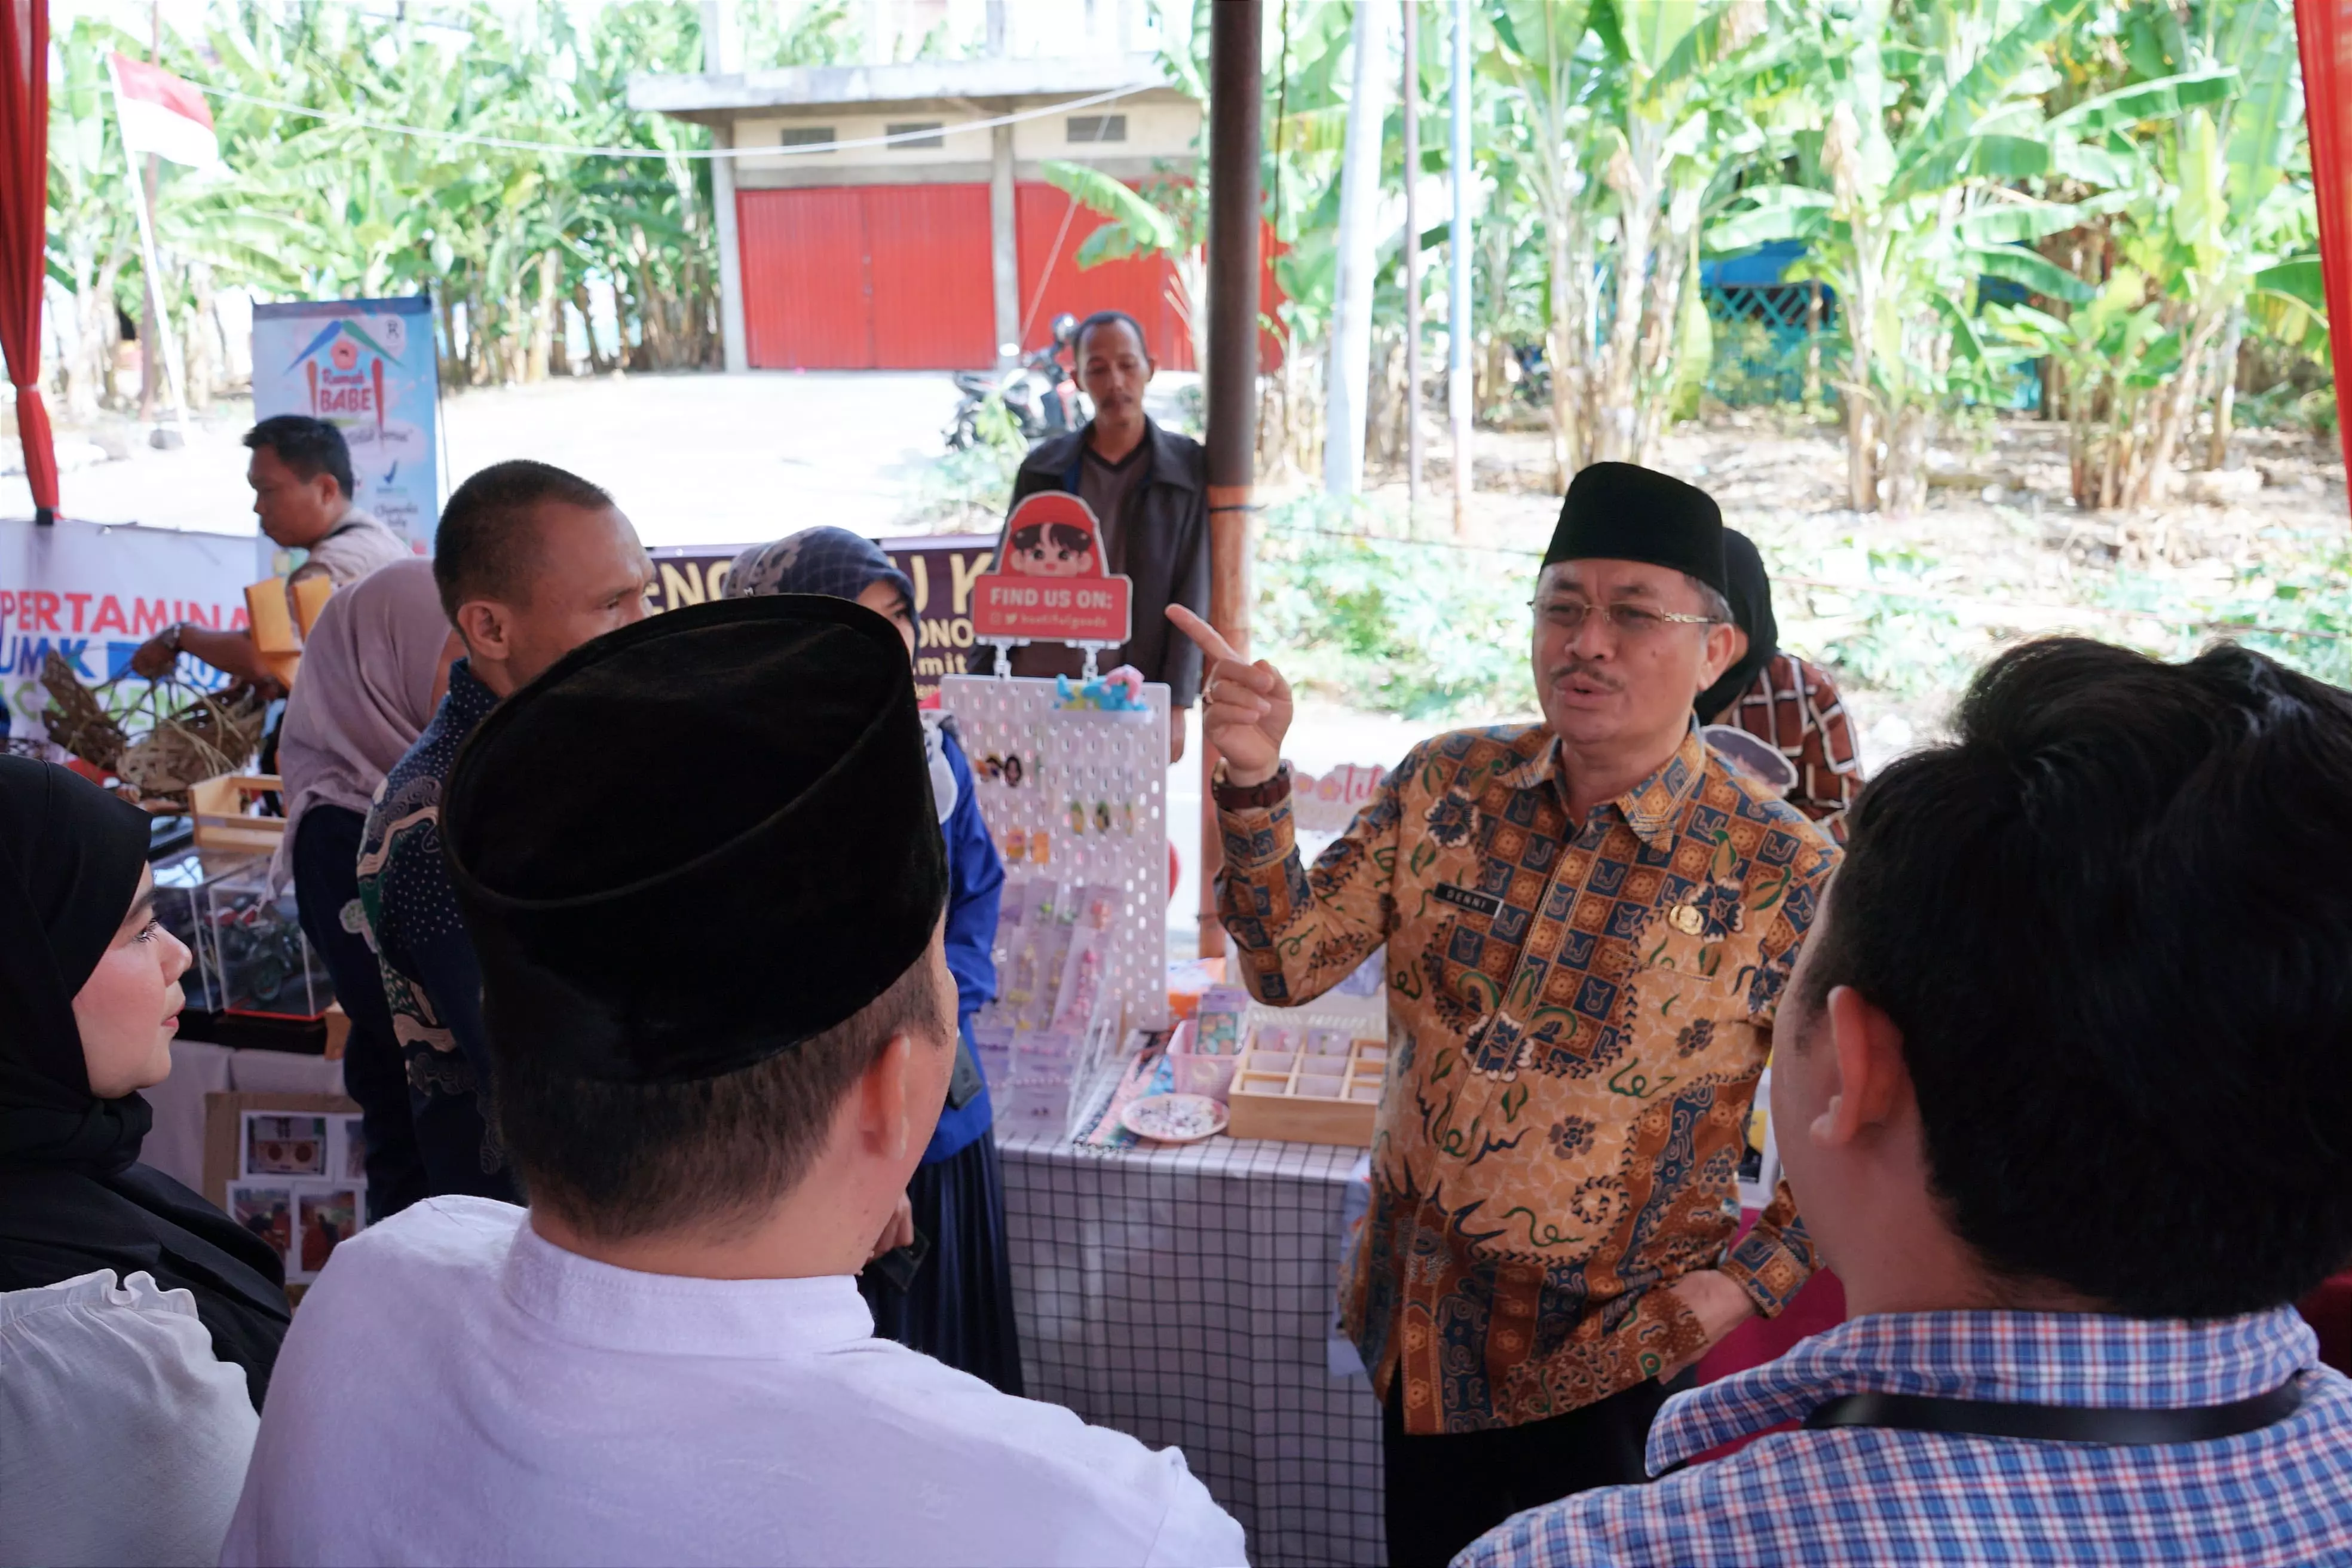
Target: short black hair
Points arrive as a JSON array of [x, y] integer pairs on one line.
[[309, 447], [2113, 920], [623, 1160], [483, 547], [1104, 319]]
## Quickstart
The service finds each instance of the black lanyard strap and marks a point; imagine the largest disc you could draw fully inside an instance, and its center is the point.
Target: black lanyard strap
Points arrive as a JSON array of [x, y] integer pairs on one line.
[[2059, 1422]]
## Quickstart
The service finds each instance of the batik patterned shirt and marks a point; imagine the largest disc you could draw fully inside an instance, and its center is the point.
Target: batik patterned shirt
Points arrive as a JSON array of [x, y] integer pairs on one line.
[[431, 977], [2280, 1497], [1578, 1012]]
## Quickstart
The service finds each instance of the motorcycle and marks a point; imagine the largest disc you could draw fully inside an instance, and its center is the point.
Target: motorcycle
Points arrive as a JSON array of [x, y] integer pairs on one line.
[[1040, 393]]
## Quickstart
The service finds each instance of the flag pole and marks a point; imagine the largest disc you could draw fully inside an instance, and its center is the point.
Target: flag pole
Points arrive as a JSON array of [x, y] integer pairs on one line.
[[154, 275]]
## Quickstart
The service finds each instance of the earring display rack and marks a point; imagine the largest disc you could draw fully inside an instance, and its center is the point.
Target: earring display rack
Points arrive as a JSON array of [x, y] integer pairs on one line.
[[1076, 800]]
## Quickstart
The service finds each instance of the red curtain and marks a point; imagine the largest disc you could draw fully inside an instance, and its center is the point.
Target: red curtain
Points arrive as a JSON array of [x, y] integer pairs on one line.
[[24, 193], [2324, 30]]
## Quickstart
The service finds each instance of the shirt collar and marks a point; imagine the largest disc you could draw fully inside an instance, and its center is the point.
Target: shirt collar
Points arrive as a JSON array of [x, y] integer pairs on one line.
[[594, 1304], [1650, 808], [469, 702], [2032, 1358]]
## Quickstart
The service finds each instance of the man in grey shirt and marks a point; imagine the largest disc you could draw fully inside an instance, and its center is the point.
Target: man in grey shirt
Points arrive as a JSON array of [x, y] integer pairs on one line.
[[301, 480]]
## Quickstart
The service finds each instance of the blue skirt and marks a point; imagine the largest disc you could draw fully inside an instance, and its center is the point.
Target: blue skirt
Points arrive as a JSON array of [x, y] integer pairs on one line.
[[958, 1307]]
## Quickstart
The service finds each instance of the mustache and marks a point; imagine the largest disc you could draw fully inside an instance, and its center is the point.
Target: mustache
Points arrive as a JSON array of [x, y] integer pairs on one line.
[[1590, 669]]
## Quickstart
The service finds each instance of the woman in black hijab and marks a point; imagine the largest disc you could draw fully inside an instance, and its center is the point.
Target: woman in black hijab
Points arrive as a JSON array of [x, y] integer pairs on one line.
[[1791, 705], [86, 981]]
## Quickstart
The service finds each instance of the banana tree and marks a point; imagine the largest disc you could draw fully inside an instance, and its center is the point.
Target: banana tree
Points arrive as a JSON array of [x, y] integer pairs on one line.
[[2203, 225], [1546, 51], [1924, 119], [1166, 217]]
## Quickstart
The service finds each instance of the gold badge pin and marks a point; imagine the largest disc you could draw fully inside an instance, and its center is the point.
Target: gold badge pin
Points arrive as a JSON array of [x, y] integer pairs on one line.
[[1686, 918]]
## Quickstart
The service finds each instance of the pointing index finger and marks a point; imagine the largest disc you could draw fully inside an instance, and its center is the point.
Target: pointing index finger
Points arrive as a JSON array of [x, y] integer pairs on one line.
[[1212, 642]]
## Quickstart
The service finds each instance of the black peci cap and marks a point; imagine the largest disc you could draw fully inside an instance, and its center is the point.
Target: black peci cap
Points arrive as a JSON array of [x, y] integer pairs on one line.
[[697, 841], [1623, 512]]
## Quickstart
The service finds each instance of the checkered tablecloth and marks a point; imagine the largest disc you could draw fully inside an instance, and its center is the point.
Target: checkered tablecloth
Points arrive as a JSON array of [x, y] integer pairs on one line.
[[1184, 1296]]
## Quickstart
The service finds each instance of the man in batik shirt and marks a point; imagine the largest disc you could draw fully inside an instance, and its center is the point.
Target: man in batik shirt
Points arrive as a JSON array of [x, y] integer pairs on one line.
[[1588, 922], [531, 562]]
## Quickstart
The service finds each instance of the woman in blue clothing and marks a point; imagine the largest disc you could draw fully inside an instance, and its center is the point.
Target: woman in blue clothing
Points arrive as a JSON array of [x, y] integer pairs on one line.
[[955, 1303]]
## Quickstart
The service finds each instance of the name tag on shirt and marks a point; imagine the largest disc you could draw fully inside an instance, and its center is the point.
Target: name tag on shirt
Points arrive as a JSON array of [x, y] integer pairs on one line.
[[1463, 898]]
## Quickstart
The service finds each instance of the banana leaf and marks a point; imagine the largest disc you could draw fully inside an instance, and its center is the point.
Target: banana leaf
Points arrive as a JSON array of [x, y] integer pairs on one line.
[[2031, 270], [2163, 99]]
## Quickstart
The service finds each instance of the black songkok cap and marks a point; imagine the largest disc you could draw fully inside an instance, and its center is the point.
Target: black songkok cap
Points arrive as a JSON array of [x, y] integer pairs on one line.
[[1623, 512], [697, 841]]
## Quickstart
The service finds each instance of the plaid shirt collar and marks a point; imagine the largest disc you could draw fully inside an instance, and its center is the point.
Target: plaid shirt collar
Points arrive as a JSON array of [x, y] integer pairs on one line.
[[1650, 808], [2038, 1358]]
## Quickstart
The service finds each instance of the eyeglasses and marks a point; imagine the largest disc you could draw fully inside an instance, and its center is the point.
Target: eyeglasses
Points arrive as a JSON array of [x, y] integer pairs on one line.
[[1631, 622]]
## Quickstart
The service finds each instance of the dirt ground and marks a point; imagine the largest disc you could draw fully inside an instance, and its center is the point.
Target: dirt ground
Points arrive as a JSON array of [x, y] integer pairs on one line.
[[1999, 552]]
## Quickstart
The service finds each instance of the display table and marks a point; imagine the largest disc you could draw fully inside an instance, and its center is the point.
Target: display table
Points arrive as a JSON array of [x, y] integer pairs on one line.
[[1185, 1295], [175, 1145]]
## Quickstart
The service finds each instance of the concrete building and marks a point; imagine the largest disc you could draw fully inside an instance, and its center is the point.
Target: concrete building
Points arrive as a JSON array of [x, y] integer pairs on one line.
[[902, 219]]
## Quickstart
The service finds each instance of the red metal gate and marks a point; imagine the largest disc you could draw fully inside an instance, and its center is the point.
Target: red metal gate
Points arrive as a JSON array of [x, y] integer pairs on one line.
[[867, 278]]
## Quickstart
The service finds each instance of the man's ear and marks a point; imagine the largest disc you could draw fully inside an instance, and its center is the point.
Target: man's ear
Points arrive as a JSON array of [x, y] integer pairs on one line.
[[1874, 1083], [483, 625], [885, 1098], [1722, 649]]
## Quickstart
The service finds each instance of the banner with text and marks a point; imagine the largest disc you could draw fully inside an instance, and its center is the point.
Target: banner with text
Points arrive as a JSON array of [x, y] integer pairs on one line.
[[95, 594], [1052, 582], [942, 567], [368, 367]]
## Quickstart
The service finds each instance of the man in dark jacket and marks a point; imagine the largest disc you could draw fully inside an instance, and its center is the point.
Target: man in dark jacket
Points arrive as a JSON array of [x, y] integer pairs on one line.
[[1149, 488]]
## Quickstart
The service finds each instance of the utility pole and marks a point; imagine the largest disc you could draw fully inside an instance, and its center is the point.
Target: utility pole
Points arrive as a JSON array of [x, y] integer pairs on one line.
[[1236, 37], [1457, 304], [149, 176], [722, 54], [1412, 264]]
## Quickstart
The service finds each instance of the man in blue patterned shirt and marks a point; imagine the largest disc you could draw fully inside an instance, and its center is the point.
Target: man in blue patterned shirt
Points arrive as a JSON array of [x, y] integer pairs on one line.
[[2062, 1084], [532, 561]]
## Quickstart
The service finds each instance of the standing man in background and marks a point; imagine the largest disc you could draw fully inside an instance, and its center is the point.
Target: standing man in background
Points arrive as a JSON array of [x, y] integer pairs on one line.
[[1149, 489], [532, 561], [302, 483], [1588, 923]]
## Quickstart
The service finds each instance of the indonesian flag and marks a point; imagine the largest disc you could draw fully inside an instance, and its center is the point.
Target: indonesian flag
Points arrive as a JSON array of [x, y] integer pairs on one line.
[[163, 114]]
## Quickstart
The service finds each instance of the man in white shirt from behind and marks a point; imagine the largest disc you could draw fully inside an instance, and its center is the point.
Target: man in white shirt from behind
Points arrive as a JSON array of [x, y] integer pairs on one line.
[[717, 1067]]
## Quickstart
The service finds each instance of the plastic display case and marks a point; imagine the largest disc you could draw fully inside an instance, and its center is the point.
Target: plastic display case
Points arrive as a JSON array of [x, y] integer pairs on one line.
[[184, 883], [263, 964]]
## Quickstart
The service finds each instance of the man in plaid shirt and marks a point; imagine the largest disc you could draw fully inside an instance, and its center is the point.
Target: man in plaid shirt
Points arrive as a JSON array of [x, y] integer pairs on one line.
[[2062, 1082]]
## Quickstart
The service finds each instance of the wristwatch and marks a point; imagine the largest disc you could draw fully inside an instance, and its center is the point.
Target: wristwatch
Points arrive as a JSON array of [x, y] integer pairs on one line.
[[1266, 793]]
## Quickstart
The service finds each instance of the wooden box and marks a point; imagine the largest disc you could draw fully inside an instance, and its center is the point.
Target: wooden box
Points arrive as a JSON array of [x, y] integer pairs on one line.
[[220, 809], [1307, 1096]]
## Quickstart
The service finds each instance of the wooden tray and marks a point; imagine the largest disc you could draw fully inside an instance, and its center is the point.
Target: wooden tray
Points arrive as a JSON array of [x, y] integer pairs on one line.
[[1270, 1101]]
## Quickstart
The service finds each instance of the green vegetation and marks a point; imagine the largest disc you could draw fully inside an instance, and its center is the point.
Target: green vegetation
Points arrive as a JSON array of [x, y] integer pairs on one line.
[[2116, 193], [309, 202]]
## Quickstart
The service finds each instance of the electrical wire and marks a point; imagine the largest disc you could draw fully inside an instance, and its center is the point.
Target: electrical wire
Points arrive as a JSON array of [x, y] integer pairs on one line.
[[362, 122], [2104, 611]]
